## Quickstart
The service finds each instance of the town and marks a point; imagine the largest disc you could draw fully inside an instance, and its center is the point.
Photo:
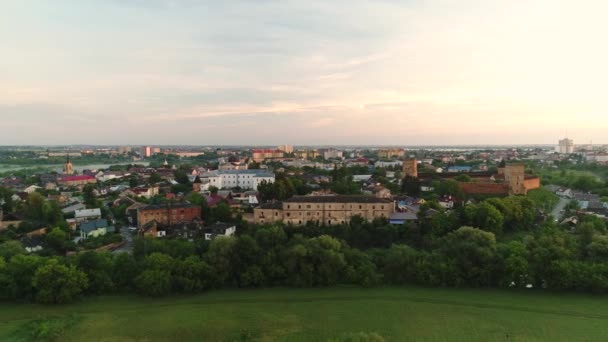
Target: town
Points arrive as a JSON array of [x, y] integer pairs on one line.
[[202, 193]]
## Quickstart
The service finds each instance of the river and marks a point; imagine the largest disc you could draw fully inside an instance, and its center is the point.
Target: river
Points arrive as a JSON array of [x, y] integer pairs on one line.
[[59, 167]]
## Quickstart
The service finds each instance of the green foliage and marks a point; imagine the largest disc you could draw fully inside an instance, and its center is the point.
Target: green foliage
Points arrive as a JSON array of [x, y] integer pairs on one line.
[[49, 329], [154, 283], [358, 337], [57, 284], [411, 186]]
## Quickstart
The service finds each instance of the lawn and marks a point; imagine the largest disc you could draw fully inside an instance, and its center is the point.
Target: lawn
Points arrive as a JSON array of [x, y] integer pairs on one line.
[[397, 314]]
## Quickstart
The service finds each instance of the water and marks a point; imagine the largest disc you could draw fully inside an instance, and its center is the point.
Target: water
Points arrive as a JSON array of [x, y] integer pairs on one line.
[[59, 167]]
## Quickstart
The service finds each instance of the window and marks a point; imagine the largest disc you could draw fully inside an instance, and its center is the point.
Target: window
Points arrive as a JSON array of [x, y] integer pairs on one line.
[[360, 207], [308, 206], [288, 214]]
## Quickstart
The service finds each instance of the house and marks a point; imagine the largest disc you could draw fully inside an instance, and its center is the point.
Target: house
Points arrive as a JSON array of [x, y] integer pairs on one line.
[[378, 191], [219, 229], [32, 188], [361, 178], [95, 228], [87, 214], [32, 244], [564, 192], [72, 208], [152, 229]]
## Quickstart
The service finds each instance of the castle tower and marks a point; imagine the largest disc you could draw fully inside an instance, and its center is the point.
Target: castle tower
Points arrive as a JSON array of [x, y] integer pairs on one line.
[[68, 169], [515, 177], [410, 168]]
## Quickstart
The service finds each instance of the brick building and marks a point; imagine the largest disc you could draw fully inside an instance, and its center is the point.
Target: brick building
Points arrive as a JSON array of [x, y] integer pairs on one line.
[[326, 210], [168, 214]]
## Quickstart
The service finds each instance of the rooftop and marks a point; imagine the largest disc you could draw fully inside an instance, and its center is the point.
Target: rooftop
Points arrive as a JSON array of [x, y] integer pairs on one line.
[[337, 199], [167, 206]]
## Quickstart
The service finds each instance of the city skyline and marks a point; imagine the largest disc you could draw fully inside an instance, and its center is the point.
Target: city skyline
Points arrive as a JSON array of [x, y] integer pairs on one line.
[[305, 73]]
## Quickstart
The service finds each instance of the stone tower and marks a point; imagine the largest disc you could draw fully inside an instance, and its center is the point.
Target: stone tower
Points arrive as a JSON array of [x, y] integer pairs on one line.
[[515, 177], [68, 169], [410, 168]]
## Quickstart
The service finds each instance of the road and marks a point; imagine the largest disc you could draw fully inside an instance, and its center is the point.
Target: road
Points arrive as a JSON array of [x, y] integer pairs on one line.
[[557, 212], [128, 238]]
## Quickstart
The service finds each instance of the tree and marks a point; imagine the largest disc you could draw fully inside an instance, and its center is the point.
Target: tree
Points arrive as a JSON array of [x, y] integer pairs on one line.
[[88, 193], [56, 239], [154, 283], [34, 207], [410, 185], [156, 178], [222, 212], [181, 177], [98, 268], [11, 248], [57, 284], [471, 255], [124, 272], [21, 269], [484, 216], [463, 178]]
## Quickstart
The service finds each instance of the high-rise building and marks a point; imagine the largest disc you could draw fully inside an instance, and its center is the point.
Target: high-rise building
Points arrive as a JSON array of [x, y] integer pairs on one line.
[[286, 148], [146, 151], [566, 146]]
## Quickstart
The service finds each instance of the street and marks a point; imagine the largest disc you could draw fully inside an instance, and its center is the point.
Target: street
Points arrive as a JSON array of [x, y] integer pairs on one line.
[[128, 238]]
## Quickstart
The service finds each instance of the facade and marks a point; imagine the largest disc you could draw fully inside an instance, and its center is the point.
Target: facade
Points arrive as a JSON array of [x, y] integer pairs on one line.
[[286, 148], [325, 210], [81, 215], [146, 151], [261, 155], [410, 168], [332, 154], [244, 179], [76, 180], [566, 146], [95, 228], [307, 154], [391, 153], [168, 214], [219, 229]]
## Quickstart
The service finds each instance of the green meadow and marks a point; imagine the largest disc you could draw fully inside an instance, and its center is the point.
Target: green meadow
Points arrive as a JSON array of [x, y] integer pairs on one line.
[[324, 314]]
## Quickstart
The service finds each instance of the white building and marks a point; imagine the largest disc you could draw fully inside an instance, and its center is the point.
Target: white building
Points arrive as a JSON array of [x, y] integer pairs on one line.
[[244, 179], [332, 154], [87, 214], [381, 163], [566, 146]]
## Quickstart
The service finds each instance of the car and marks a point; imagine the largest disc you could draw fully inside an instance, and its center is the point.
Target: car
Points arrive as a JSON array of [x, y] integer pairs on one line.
[[132, 229]]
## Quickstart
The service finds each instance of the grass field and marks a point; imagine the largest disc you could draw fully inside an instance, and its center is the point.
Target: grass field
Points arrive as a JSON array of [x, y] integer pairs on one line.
[[397, 314]]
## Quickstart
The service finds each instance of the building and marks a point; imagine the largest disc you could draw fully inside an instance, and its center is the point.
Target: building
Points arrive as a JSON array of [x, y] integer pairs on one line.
[[566, 146], [76, 180], [410, 168], [307, 154], [146, 151], [81, 215], [244, 179], [168, 214], [391, 153], [324, 210], [95, 228], [68, 168], [219, 229], [332, 153], [261, 155], [286, 148]]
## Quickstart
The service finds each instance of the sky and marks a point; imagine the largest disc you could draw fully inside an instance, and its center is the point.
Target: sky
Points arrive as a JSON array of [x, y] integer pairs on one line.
[[263, 72]]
